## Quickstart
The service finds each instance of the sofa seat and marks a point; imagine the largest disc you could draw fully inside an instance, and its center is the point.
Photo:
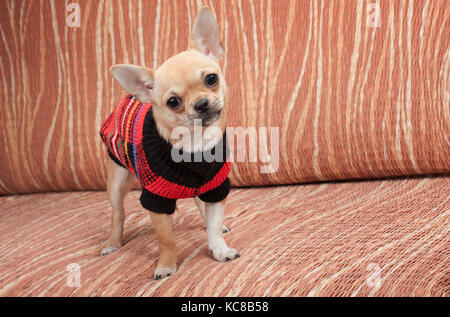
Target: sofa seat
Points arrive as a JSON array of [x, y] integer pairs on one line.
[[362, 238]]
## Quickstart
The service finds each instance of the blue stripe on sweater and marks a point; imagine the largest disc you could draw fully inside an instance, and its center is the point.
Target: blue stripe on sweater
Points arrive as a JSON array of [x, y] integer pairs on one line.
[[134, 142]]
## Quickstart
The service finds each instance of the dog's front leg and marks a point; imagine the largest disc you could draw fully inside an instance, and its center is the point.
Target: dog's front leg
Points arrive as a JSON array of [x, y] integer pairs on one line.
[[201, 206], [167, 264], [214, 230]]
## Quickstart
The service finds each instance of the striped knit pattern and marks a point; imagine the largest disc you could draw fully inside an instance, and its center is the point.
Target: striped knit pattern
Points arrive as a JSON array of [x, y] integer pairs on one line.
[[122, 133], [330, 239]]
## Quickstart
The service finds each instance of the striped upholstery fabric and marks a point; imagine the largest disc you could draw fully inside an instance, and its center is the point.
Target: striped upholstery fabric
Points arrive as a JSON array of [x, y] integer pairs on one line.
[[353, 95], [369, 238]]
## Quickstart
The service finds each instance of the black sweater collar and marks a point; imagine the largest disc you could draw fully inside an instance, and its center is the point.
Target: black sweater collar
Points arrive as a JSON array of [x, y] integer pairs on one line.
[[158, 153]]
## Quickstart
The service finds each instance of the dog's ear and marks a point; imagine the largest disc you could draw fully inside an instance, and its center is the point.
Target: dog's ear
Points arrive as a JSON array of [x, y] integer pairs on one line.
[[205, 35], [136, 80]]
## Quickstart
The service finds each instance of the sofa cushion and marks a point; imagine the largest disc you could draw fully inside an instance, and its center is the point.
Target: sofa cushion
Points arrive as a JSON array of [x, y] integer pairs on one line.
[[356, 90], [368, 238]]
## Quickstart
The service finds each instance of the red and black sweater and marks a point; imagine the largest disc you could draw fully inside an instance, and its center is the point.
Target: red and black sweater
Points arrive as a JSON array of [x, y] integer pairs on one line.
[[133, 141]]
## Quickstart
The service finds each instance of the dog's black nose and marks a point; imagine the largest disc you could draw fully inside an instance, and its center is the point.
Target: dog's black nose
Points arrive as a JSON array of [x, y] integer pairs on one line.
[[202, 106]]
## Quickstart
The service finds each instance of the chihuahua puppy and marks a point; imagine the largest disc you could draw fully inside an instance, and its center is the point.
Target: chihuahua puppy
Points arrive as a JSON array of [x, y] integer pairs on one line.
[[188, 91]]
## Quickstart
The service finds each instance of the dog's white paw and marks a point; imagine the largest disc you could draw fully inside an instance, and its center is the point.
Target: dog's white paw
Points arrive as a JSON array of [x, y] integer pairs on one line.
[[225, 229], [108, 250], [162, 272], [225, 255]]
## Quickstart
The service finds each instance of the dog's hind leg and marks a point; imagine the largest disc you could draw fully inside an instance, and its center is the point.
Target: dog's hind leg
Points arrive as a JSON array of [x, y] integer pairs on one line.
[[119, 184]]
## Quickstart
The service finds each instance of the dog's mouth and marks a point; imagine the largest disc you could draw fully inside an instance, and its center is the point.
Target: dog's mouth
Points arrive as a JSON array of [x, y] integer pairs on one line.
[[210, 118], [206, 119]]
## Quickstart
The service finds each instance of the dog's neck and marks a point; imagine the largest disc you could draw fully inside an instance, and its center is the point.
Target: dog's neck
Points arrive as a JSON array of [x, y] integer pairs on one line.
[[192, 138]]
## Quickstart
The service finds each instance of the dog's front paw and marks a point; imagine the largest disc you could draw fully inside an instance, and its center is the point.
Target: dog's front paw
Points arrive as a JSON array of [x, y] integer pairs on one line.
[[225, 255], [162, 272], [225, 229]]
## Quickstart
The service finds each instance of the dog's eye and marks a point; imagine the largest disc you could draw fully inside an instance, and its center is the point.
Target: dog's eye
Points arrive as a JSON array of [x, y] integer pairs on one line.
[[211, 80], [174, 102]]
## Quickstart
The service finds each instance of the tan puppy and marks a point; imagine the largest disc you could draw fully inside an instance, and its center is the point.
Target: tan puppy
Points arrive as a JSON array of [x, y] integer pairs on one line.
[[188, 87]]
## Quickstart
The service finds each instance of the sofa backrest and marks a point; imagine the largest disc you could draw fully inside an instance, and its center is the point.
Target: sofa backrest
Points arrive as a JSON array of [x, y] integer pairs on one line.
[[355, 89]]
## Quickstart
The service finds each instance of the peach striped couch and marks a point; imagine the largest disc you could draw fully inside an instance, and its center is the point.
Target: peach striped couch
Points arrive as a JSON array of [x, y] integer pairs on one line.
[[358, 206]]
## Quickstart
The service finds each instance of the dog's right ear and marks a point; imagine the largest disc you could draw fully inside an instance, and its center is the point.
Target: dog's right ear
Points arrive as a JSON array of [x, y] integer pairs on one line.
[[136, 80], [205, 36]]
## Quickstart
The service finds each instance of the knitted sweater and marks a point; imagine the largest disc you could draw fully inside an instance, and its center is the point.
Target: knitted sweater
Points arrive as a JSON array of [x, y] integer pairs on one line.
[[133, 141]]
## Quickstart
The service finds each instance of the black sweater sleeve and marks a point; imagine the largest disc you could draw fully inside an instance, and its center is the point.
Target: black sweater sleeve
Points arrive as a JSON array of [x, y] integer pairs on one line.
[[217, 194], [157, 203]]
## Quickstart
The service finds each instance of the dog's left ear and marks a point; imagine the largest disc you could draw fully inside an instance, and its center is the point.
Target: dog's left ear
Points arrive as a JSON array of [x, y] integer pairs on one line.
[[136, 80], [205, 35]]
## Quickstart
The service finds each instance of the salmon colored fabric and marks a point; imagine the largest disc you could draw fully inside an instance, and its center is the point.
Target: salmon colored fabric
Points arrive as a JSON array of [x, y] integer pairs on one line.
[[354, 93], [370, 238]]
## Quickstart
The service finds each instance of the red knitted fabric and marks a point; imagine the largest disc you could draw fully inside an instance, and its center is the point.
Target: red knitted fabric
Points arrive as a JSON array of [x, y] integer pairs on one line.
[[122, 133]]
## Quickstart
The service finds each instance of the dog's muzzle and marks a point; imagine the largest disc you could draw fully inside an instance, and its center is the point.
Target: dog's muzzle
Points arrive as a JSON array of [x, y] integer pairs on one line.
[[206, 111]]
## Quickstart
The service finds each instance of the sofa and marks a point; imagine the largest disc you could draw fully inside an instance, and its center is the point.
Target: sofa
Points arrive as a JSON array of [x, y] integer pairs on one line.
[[356, 201]]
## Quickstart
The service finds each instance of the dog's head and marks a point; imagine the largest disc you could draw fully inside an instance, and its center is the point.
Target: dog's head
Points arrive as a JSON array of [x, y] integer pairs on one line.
[[189, 88]]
